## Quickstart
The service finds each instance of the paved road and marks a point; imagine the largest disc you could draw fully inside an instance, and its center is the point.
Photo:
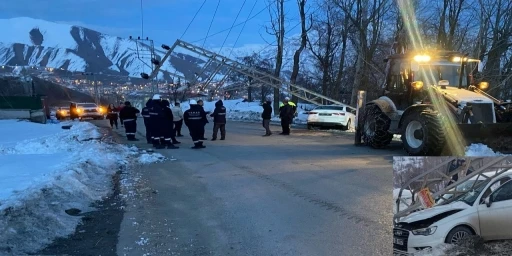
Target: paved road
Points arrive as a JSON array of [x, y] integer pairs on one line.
[[311, 193]]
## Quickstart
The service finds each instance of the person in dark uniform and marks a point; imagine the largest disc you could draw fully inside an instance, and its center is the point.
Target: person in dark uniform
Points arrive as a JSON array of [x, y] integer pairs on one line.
[[147, 121], [266, 116], [195, 120], [286, 114], [201, 103], [168, 126], [129, 116], [156, 120], [219, 120]]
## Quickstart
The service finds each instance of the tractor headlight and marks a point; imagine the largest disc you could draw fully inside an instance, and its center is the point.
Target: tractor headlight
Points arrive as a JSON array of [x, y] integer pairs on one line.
[[483, 85], [422, 58], [417, 85], [425, 231]]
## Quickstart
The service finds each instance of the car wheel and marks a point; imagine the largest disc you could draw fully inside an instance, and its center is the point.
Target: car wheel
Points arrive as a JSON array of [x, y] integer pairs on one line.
[[458, 234], [347, 127]]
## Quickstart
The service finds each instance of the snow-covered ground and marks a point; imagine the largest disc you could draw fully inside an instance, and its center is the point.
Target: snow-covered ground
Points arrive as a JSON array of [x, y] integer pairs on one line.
[[46, 170]]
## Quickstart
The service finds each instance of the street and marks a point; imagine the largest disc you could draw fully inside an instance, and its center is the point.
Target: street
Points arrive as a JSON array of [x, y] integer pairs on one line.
[[311, 193]]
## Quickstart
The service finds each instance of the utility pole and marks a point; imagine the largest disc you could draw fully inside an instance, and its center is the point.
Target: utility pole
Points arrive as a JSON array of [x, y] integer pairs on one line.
[[146, 51]]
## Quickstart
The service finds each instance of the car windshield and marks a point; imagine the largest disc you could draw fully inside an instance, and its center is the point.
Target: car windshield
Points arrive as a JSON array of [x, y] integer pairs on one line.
[[432, 74], [330, 108], [88, 105], [470, 197]]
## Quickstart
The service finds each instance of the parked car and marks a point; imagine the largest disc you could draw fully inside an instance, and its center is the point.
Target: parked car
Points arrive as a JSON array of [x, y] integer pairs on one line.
[[484, 211], [87, 110], [62, 113], [335, 116]]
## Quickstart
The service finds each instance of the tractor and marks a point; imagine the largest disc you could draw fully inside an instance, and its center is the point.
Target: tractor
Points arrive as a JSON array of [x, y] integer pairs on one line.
[[434, 99]]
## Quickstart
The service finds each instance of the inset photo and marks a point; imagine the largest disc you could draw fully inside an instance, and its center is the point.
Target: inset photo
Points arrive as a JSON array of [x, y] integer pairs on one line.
[[452, 206]]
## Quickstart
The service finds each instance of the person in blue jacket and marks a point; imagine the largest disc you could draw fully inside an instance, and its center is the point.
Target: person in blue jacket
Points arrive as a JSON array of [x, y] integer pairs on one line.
[[195, 119]]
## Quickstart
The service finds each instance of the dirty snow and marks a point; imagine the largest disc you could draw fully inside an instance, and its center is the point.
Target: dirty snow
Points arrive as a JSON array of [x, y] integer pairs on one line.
[[46, 170], [146, 158]]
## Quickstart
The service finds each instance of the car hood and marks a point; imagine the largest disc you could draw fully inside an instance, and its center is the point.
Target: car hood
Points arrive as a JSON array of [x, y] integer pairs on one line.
[[434, 211]]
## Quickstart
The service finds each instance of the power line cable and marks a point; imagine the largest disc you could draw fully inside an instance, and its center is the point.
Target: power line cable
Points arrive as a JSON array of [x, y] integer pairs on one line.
[[245, 23], [232, 25], [195, 15], [211, 22]]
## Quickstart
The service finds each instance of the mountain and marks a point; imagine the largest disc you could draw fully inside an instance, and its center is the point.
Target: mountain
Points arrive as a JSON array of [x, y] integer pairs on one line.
[[34, 42]]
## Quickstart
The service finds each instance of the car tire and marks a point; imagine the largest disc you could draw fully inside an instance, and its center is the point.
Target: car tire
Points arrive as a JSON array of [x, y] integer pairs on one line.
[[457, 234], [347, 127]]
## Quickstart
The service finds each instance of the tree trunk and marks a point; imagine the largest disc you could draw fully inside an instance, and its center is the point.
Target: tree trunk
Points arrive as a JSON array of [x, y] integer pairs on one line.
[[280, 49], [303, 42]]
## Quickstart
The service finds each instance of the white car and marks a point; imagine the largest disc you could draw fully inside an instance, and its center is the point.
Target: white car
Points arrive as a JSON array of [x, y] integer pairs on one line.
[[332, 116], [87, 110], [485, 211]]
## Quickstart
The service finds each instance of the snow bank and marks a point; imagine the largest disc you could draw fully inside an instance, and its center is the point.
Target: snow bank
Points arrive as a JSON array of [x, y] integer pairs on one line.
[[480, 150], [46, 170]]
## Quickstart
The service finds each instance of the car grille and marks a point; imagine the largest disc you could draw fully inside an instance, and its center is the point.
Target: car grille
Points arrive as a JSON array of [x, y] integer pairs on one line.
[[482, 112], [90, 111], [402, 235]]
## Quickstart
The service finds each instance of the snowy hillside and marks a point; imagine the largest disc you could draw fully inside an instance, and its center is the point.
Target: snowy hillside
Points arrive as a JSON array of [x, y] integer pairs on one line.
[[27, 41]]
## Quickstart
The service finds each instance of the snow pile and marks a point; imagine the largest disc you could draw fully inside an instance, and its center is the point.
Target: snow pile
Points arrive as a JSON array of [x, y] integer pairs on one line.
[[46, 170], [248, 111], [146, 158], [480, 150]]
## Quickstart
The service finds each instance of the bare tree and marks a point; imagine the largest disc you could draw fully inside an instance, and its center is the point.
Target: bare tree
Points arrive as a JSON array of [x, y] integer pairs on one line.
[[277, 17], [303, 42]]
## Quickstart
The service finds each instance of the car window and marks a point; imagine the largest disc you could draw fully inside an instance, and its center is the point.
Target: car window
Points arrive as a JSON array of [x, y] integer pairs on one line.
[[88, 105], [331, 108], [493, 187], [503, 193]]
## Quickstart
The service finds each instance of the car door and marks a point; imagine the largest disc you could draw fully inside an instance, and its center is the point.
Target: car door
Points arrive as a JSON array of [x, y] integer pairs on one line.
[[495, 221]]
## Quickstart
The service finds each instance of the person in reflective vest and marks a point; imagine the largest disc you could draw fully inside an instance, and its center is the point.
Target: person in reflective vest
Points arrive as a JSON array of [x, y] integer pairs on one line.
[[156, 120], [147, 121], [129, 116], [195, 119]]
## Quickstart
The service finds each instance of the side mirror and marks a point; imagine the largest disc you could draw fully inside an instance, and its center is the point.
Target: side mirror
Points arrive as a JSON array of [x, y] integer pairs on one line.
[[488, 201]]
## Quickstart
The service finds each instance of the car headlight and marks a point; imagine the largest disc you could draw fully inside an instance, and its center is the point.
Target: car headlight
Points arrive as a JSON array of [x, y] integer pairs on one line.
[[424, 231]]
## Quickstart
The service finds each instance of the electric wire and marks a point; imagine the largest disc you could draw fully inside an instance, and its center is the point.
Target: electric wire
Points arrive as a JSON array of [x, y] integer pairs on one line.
[[211, 22], [232, 25], [195, 15], [245, 23]]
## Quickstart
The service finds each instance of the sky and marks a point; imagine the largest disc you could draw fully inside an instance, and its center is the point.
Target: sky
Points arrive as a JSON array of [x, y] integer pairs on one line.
[[164, 20]]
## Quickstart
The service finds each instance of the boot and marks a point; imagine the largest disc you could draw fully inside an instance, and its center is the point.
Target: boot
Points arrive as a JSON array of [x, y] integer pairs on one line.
[[159, 146], [223, 138], [196, 145], [201, 145], [176, 142], [214, 139]]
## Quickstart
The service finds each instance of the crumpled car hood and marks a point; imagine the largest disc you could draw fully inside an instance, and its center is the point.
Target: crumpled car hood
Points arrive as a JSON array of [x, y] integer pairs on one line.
[[431, 212]]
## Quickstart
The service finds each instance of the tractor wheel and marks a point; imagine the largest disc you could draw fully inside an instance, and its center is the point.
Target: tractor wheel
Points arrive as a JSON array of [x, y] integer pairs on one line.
[[376, 128], [423, 134]]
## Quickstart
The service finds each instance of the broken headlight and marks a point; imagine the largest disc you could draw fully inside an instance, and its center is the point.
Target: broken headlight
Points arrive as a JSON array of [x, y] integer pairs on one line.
[[424, 231]]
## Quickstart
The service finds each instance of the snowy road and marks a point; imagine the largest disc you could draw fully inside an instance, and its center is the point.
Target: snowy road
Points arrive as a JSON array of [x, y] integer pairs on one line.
[[311, 193]]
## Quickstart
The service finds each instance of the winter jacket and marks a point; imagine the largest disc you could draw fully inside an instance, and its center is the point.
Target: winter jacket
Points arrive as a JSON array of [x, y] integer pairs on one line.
[[267, 111], [112, 113], [286, 112], [168, 117], [195, 117], [177, 113], [219, 114], [128, 113]]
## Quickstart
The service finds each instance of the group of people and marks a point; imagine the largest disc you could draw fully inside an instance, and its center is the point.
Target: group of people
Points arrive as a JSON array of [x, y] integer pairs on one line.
[[163, 122], [287, 111]]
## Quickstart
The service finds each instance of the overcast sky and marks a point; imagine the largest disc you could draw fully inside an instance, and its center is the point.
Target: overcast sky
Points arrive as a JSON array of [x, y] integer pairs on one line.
[[164, 20]]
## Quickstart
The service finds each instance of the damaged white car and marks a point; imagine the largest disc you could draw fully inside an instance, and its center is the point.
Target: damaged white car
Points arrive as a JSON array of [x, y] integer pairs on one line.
[[485, 211]]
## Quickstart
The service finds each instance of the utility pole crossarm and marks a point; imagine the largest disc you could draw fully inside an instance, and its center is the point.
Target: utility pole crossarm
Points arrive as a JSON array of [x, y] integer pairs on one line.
[[300, 92], [164, 59]]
